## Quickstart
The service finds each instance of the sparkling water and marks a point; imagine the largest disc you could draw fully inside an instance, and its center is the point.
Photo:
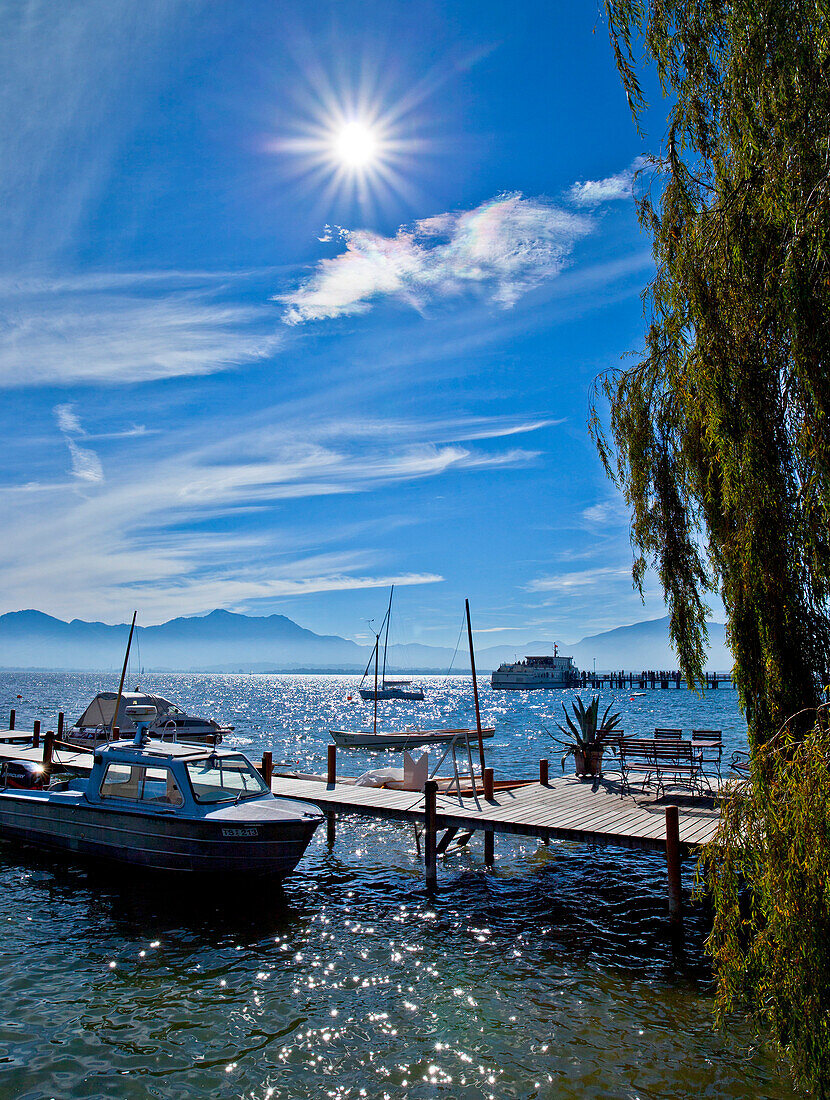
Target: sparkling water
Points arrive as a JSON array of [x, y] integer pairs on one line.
[[550, 976]]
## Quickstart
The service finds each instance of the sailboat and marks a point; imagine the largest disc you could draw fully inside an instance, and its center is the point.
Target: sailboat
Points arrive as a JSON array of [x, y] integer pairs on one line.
[[387, 689], [408, 738]]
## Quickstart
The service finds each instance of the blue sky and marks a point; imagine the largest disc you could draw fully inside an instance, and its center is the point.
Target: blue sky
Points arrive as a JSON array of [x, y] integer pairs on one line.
[[240, 372]]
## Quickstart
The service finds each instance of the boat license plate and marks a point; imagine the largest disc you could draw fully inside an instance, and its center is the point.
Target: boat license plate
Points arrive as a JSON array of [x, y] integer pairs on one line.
[[240, 832]]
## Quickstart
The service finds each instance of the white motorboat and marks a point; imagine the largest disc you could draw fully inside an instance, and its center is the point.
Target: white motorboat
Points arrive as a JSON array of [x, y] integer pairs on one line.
[[161, 806], [170, 723], [537, 672]]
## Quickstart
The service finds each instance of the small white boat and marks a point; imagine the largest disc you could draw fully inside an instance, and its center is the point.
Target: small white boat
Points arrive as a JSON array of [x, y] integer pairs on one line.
[[392, 689], [386, 688], [164, 807], [407, 738], [170, 723], [404, 739]]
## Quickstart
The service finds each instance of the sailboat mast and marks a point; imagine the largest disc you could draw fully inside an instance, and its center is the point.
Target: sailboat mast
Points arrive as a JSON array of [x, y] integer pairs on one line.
[[386, 638], [123, 674], [475, 687], [377, 646]]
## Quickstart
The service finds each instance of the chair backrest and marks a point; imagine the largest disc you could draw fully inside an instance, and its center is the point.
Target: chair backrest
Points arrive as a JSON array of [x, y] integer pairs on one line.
[[707, 735], [666, 735]]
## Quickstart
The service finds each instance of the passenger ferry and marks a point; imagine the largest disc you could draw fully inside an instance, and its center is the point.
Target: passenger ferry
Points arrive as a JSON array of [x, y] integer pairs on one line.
[[537, 672]]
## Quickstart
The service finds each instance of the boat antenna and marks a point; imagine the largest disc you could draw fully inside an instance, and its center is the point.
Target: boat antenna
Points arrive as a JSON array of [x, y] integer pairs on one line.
[[386, 638], [123, 674], [475, 687]]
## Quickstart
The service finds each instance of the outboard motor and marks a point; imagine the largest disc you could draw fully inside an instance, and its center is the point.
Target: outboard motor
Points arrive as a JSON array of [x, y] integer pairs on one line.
[[143, 717], [22, 775]]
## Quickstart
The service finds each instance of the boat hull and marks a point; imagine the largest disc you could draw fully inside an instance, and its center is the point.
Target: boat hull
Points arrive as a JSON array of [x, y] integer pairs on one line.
[[403, 740], [369, 694], [93, 739], [226, 842]]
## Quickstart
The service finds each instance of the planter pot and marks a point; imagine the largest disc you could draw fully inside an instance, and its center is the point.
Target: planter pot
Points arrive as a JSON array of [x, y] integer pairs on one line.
[[588, 763]]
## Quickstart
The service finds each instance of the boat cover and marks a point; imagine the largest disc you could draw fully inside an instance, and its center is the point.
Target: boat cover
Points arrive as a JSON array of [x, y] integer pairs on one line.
[[100, 710]]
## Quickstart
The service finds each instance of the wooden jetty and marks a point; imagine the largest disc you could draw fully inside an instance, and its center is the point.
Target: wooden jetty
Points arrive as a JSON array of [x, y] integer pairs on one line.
[[649, 679], [565, 807]]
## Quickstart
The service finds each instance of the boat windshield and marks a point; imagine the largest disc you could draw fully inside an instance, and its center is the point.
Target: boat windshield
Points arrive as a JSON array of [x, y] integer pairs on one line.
[[224, 779]]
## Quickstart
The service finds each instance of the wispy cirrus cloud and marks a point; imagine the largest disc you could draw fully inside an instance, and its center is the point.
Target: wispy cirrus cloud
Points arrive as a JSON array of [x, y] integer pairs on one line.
[[122, 331], [619, 186], [86, 465], [148, 518], [582, 579], [497, 251]]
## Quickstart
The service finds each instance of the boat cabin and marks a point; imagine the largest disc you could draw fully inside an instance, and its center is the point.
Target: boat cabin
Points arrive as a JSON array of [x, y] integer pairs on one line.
[[165, 775]]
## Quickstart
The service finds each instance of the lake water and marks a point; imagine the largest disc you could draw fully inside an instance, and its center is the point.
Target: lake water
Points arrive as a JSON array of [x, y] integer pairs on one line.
[[550, 976]]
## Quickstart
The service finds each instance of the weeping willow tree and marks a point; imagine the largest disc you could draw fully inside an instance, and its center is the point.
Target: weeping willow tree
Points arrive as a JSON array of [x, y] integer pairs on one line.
[[720, 435], [720, 439]]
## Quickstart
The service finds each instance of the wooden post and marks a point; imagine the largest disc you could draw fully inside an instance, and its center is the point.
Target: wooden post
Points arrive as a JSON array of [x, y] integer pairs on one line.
[[543, 772], [267, 768], [430, 833], [11, 720], [331, 770], [375, 722], [489, 848], [330, 829], [116, 733], [60, 725], [488, 784], [36, 735], [475, 685], [673, 866], [48, 745]]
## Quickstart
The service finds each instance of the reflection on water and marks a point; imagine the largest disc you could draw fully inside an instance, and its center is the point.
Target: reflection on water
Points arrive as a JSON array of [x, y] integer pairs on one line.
[[550, 977]]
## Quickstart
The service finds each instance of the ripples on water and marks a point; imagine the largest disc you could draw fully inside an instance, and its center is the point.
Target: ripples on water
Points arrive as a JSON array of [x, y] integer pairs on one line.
[[551, 976]]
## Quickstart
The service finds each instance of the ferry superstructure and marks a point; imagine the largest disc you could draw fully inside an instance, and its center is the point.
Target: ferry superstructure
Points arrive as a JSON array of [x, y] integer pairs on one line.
[[537, 672]]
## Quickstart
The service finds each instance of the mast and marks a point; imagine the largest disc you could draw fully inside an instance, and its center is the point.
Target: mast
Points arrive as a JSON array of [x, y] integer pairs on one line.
[[386, 638], [475, 687], [377, 645], [123, 674]]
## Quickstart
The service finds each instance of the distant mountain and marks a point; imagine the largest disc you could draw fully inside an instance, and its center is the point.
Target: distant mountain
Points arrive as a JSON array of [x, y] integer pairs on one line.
[[220, 640], [225, 642], [645, 646]]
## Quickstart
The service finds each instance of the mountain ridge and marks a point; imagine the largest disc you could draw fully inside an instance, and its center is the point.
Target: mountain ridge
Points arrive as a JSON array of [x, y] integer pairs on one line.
[[226, 641]]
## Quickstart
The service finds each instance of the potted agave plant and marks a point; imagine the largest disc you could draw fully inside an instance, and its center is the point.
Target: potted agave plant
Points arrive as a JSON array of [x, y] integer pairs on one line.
[[588, 735]]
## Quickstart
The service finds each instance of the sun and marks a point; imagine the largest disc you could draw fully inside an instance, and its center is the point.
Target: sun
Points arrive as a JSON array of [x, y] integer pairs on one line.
[[353, 146], [356, 145]]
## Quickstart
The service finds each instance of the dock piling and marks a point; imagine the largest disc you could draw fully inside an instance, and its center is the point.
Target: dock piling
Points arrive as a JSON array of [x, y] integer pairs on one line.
[[488, 784], [673, 866], [60, 725], [330, 829], [331, 768], [430, 833], [48, 745], [11, 720], [543, 773], [36, 735], [267, 767], [489, 847]]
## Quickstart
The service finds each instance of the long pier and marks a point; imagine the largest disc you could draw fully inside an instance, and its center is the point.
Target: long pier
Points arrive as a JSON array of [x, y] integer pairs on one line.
[[650, 679], [564, 808]]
